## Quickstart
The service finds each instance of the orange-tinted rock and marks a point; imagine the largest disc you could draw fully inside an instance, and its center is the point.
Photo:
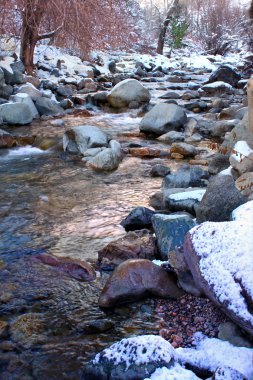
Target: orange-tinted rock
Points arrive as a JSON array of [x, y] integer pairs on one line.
[[6, 139], [145, 152], [77, 269], [136, 279]]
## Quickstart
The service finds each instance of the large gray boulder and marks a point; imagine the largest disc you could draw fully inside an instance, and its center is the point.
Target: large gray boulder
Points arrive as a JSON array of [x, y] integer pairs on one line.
[[225, 74], [25, 98], [83, 137], [16, 113], [30, 90], [48, 107], [220, 199], [163, 118], [126, 92]]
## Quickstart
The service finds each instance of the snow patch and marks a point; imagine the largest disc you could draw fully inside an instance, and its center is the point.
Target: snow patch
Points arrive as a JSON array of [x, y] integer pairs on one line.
[[174, 373], [198, 62], [211, 353], [227, 171], [244, 212]]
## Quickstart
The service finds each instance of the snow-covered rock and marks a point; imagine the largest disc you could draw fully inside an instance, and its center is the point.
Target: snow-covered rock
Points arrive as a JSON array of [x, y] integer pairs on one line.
[[226, 74], [244, 212], [163, 118], [220, 258], [217, 88], [126, 92]]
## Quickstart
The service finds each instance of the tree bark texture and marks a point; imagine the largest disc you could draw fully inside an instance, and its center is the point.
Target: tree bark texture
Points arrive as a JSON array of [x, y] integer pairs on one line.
[[161, 39]]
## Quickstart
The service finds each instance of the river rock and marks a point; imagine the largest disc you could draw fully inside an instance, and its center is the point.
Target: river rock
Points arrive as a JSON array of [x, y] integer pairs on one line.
[[25, 98], [137, 279], [30, 90], [135, 245], [184, 149], [216, 88], [186, 176], [133, 358], [48, 107], [220, 199], [16, 75], [218, 163], [186, 201], [16, 113], [79, 139], [6, 139], [225, 74], [6, 90], [219, 257], [220, 128], [28, 329], [160, 170], [139, 218], [170, 95], [127, 91], [108, 159], [171, 137], [77, 269], [170, 231], [242, 157], [163, 118]]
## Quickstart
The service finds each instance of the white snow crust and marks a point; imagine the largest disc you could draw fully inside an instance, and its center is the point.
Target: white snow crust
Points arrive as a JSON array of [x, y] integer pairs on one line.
[[226, 260], [174, 373], [244, 212], [211, 353]]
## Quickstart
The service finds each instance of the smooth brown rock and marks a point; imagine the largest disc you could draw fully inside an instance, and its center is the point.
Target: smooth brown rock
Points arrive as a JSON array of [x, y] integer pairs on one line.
[[135, 245], [77, 269], [136, 279], [184, 149], [245, 184], [145, 152], [6, 139]]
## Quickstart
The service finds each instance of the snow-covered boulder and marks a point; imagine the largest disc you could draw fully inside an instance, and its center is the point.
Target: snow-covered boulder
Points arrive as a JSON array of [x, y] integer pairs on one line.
[[30, 90], [136, 279], [151, 357], [163, 118], [220, 258], [25, 98], [16, 113], [126, 92], [242, 157]]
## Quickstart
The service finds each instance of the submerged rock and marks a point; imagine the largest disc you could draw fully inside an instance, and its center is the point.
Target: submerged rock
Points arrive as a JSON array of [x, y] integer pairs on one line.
[[6, 139], [77, 269], [137, 279], [135, 245]]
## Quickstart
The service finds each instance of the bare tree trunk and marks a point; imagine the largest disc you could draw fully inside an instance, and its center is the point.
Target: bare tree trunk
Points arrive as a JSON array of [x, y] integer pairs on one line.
[[161, 39], [32, 16], [250, 103]]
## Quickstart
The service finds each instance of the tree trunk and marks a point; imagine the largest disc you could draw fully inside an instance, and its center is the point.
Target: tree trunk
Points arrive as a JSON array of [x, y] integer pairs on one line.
[[250, 103], [161, 39]]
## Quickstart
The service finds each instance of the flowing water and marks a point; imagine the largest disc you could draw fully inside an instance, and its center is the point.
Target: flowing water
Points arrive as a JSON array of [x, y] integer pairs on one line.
[[50, 202]]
